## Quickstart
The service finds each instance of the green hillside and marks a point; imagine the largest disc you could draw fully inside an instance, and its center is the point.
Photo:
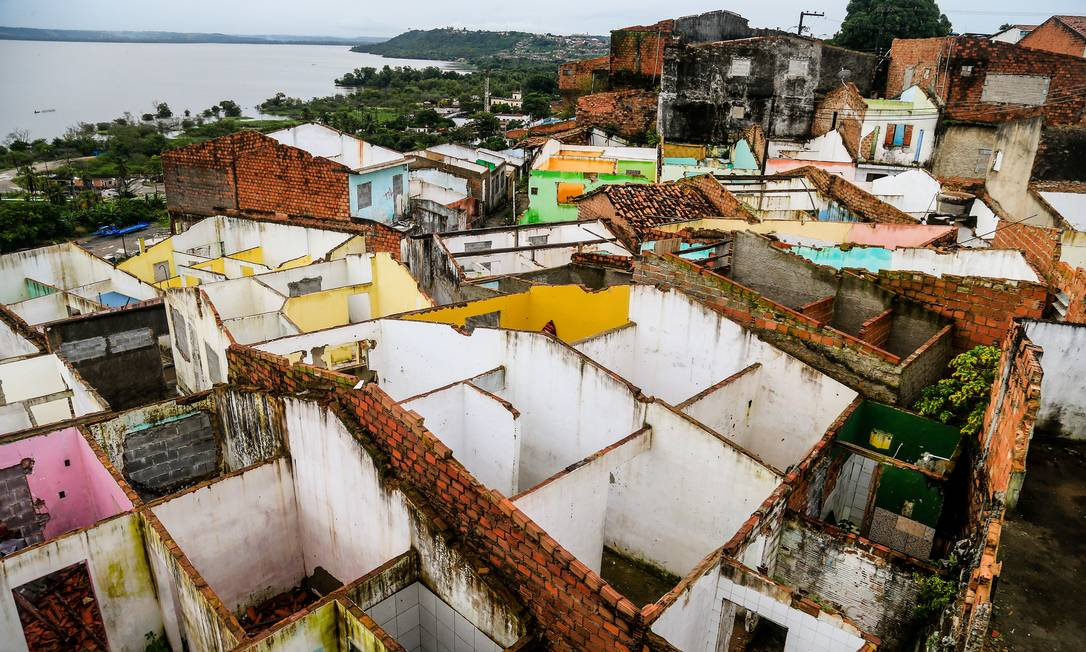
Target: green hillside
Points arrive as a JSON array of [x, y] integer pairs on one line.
[[451, 44]]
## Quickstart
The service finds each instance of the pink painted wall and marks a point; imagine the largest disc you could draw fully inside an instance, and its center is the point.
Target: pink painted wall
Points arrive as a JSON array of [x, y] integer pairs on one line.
[[892, 236], [90, 492], [778, 165]]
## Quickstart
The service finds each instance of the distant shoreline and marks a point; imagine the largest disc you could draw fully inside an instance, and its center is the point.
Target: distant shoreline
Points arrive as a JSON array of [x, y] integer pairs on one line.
[[91, 36]]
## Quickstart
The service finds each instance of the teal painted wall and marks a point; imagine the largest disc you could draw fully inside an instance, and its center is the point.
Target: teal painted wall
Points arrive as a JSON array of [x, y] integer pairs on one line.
[[382, 206], [872, 259]]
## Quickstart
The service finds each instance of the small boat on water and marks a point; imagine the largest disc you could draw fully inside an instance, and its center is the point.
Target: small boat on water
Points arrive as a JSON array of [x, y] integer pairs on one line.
[[45, 110]]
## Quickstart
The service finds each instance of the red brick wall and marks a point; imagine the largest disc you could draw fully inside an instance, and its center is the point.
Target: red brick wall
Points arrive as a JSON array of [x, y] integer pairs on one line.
[[1054, 36], [1066, 104], [1010, 422], [1041, 247], [637, 54], [822, 312], [922, 54], [982, 309], [629, 113], [876, 330], [249, 172], [573, 607], [849, 105], [541, 130], [578, 77]]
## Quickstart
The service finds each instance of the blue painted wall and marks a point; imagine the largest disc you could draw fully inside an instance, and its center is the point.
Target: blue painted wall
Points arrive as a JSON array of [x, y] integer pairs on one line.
[[872, 259], [382, 202]]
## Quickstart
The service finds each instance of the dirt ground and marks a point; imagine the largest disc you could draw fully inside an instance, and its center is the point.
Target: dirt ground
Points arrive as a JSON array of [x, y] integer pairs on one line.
[[1040, 597]]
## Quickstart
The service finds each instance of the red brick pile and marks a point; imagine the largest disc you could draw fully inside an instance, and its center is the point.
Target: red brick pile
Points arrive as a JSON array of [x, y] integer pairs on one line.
[[629, 113]]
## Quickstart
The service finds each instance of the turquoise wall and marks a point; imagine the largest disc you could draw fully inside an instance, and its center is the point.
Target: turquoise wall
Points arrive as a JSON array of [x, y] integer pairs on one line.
[[872, 259], [382, 201]]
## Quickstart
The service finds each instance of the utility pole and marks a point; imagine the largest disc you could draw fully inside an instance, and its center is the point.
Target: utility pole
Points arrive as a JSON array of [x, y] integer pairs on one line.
[[804, 14]]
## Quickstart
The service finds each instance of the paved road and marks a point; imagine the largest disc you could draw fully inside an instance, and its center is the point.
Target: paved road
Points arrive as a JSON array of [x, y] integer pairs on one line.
[[7, 177], [115, 245]]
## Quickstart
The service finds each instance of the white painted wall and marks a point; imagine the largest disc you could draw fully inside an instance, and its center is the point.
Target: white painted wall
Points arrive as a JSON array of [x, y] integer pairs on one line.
[[348, 523], [572, 507], [913, 191], [241, 533], [827, 147], [569, 408], [190, 341], [483, 433], [685, 497], [1063, 386], [514, 237], [12, 344], [988, 263], [692, 622], [531, 260], [63, 266], [119, 573]]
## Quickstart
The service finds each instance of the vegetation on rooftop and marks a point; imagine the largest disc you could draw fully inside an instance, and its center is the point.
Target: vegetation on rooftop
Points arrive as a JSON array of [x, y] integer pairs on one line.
[[961, 398]]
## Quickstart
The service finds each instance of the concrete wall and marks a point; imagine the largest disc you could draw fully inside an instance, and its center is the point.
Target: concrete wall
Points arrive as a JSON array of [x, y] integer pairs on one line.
[[13, 344], [1063, 386], [39, 385], [64, 266], [386, 204], [161, 457], [347, 521], [120, 576], [964, 151], [698, 488], [482, 431], [74, 488], [707, 608], [572, 506], [218, 525], [117, 352], [992, 263], [876, 591]]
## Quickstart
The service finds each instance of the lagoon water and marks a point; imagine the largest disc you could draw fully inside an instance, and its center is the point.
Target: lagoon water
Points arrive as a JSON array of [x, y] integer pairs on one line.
[[96, 82]]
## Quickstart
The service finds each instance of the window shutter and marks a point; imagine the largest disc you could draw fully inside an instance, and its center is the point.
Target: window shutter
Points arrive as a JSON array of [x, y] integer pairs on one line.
[[908, 135], [889, 140]]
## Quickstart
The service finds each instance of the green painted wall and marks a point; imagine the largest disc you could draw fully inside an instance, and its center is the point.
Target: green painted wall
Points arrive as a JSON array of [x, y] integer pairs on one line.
[[912, 435], [900, 486], [543, 203]]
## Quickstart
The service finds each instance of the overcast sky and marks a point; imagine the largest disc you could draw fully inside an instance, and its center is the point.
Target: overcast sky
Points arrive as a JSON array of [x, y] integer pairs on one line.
[[373, 18]]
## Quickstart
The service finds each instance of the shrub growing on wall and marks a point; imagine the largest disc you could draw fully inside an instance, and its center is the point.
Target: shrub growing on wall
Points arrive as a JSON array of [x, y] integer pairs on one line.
[[961, 398]]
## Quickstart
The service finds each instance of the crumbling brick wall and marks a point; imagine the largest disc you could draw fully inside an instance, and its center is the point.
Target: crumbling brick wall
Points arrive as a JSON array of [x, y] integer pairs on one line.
[[637, 55], [574, 608], [959, 70], [1054, 35], [630, 114], [250, 172], [842, 109], [876, 373], [578, 78], [1041, 247], [982, 309]]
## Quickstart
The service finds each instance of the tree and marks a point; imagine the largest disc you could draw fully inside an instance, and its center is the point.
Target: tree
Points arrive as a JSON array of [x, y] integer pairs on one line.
[[961, 399], [162, 111], [230, 109], [871, 25], [537, 106]]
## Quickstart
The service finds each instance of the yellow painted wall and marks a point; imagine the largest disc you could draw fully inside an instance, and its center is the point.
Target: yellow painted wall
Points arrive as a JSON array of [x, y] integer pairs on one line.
[[253, 255], [397, 290], [599, 166], [676, 150], [217, 265], [312, 312], [577, 313], [356, 245], [301, 261], [143, 265]]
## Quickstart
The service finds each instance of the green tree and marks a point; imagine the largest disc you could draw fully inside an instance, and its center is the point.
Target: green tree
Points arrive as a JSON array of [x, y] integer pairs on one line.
[[230, 109], [961, 399], [537, 106], [162, 111], [871, 25]]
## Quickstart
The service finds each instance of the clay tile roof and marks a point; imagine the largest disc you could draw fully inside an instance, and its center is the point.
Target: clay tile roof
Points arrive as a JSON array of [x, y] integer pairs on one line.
[[648, 205], [1077, 23]]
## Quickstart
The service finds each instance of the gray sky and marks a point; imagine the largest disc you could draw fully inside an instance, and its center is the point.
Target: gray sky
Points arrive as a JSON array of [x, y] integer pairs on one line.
[[372, 18]]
